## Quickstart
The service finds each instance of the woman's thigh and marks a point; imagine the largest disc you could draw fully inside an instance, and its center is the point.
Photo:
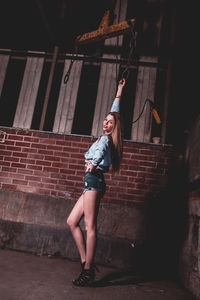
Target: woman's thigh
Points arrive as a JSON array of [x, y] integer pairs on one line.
[[77, 212], [91, 201]]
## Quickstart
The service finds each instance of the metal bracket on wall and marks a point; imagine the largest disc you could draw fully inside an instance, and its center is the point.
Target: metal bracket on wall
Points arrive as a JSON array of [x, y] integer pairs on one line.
[[2, 136]]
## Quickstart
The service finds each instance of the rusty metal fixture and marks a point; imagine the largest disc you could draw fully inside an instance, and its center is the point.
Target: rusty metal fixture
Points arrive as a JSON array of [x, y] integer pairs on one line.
[[105, 31]]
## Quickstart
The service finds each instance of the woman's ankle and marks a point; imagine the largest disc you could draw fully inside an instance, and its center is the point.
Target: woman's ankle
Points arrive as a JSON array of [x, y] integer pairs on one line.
[[82, 265], [87, 266]]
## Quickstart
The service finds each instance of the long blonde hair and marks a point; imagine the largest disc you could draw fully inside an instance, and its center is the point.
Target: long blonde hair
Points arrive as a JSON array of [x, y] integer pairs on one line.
[[116, 142]]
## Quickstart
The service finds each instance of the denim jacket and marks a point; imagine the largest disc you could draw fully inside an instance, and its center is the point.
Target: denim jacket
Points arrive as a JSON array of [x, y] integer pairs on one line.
[[99, 153]]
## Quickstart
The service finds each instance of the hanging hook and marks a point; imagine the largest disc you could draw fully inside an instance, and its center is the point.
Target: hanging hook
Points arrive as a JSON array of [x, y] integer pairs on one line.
[[125, 73], [66, 78]]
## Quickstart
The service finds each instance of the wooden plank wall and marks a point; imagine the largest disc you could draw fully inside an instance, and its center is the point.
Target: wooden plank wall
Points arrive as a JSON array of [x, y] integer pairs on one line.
[[67, 98], [28, 92], [108, 77], [145, 88], [105, 95]]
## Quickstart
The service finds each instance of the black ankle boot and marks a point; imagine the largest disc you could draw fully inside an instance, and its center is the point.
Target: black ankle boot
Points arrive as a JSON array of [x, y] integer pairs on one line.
[[85, 278]]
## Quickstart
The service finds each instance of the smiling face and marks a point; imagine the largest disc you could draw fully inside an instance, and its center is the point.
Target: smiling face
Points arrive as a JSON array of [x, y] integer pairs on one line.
[[108, 124]]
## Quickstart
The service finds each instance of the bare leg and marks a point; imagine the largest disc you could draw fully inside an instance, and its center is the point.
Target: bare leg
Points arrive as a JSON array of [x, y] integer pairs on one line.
[[91, 201], [73, 223]]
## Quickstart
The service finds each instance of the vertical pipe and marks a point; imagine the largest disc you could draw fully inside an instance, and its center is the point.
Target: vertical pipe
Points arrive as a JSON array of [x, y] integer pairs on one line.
[[46, 99], [168, 81]]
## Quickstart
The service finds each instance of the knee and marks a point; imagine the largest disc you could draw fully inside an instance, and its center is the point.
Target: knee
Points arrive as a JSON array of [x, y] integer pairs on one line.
[[90, 228], [70, 222]]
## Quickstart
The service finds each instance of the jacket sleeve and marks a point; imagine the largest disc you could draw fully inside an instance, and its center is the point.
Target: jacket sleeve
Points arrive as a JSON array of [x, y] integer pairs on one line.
[[115, 107], [101, 148]]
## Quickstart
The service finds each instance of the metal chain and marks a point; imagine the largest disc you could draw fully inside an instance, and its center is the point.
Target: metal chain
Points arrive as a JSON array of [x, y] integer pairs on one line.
[[132, 45], [66, 78]]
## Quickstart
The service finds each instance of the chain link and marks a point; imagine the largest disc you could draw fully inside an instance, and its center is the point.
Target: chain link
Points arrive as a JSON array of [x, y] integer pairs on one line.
[[132, 45]]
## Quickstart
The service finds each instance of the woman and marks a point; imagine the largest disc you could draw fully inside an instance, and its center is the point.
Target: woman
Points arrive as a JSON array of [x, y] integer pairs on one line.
[[105, 151]]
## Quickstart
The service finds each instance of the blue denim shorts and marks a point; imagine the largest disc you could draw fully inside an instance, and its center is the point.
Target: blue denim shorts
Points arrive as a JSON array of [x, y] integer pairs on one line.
[[94, 182]]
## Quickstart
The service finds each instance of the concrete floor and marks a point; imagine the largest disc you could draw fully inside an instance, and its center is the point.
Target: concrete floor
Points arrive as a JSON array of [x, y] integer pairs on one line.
[[24, 276]]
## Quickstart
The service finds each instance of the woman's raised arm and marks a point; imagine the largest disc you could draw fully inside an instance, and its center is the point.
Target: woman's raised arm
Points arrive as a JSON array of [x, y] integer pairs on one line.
[[121, 85]]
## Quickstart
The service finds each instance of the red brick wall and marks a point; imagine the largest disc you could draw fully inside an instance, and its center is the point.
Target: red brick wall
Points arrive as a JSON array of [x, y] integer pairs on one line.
[[53, 164]]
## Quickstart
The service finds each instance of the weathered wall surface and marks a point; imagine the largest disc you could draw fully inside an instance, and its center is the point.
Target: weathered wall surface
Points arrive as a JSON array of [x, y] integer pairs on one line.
[[42, 176], [190, 254], [37, 224]]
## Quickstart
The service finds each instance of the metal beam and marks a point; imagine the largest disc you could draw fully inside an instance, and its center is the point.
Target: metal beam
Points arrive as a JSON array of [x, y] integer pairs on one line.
[[105, 31]]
